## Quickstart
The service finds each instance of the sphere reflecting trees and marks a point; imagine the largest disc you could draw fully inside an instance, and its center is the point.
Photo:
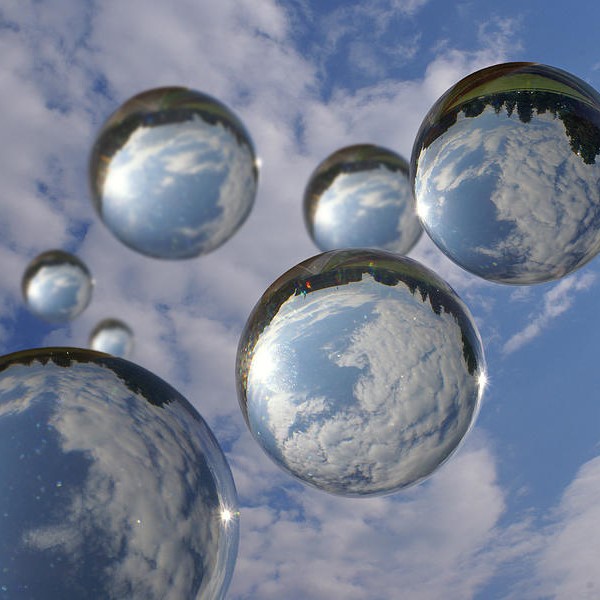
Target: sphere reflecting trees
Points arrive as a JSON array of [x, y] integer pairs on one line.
[[360, 196], [113, 486], [173, 173], [57, 286], [359, 372], [113, 337], [506, 173]]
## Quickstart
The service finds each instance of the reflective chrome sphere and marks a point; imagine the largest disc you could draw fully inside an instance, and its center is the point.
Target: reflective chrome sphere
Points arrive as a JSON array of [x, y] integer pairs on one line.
[[359, 197], [57, 286], [173, 173], [360, 372], [506, 173], [112, 336], [111, 484]]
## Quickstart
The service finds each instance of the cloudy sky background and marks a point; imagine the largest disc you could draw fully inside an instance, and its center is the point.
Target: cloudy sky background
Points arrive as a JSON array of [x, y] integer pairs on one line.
[[514, 514]]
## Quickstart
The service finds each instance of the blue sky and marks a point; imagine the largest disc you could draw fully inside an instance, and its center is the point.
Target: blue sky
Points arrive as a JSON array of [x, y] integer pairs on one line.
[[514, 514]]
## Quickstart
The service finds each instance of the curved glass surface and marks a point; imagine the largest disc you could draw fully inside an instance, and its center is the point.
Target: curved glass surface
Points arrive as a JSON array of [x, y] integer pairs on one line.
[[359, 372], [173, 173], [113, 486], [112, 336], [361, 196], [506, 173], [57, 286]]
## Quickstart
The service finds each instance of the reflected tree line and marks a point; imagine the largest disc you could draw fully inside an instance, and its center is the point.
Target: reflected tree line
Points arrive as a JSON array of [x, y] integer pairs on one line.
[[113, 138], [135, 378], [360, 158], [578, 118], [439, 300]]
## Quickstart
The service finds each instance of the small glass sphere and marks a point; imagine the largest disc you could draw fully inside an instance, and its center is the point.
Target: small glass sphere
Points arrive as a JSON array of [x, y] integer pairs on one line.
[[112, 336], [506, 173], [359, 372], [113, 486], [360, 196], [57, 286], [173, 173]]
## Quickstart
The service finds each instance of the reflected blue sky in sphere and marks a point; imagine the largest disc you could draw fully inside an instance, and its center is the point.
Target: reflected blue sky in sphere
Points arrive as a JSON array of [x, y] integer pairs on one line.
[[173, 173], [57, 286], [113, 485], [113, 337], [359, 372], [503, 517], [360, 196], [506, 173]]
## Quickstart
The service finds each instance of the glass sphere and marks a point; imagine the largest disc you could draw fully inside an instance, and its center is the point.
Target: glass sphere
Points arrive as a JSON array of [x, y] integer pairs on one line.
[[56, 286], [359, 372], [113, 486], [361, 196], [506, 173], [173, 173], [112, 337]]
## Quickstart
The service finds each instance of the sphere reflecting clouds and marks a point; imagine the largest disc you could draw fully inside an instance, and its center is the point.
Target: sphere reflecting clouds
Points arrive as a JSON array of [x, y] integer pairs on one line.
[[359, 372], [112, 485], [506, 173], [113, 337], [361, 196], [57, 286], [173, 173]]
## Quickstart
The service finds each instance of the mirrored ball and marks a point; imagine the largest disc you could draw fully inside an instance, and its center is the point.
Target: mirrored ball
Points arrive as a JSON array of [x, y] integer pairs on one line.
[[112, 336], [360, 196], [57, 286], [173, 173], [112, 485], [506, 173], [359, 372]]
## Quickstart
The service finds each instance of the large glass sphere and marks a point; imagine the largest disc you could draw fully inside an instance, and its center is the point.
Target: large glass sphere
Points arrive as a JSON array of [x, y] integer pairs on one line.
[[112, 336], [506, 173], [57, 286], [359, 372], [111, 484], [173, 173], [360, 196]]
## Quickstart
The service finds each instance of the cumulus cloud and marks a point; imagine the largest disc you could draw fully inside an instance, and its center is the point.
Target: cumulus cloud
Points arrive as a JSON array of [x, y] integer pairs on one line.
[[374, 547]]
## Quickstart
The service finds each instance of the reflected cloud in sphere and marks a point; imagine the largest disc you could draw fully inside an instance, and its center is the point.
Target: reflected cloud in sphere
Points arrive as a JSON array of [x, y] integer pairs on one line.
[[173, 173], [112, 336], [361, 196], [360, 372], [112, 485], [506, 173], [57, 286]]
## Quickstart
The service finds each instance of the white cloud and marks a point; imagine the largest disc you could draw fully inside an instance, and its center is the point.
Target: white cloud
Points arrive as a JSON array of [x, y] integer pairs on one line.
[[440, 540], [556, 301], [560, 558], [374, 547]]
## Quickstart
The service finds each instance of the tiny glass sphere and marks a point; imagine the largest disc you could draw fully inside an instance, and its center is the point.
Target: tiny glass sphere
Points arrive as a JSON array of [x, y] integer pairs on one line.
[[112, 336], [56, 286], [359, 372], [113, 486], [360, 196], [173, 173], [506, 173]]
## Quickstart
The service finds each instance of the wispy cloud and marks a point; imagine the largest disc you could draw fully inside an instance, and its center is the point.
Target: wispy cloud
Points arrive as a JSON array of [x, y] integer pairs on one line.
[[556, 301]]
